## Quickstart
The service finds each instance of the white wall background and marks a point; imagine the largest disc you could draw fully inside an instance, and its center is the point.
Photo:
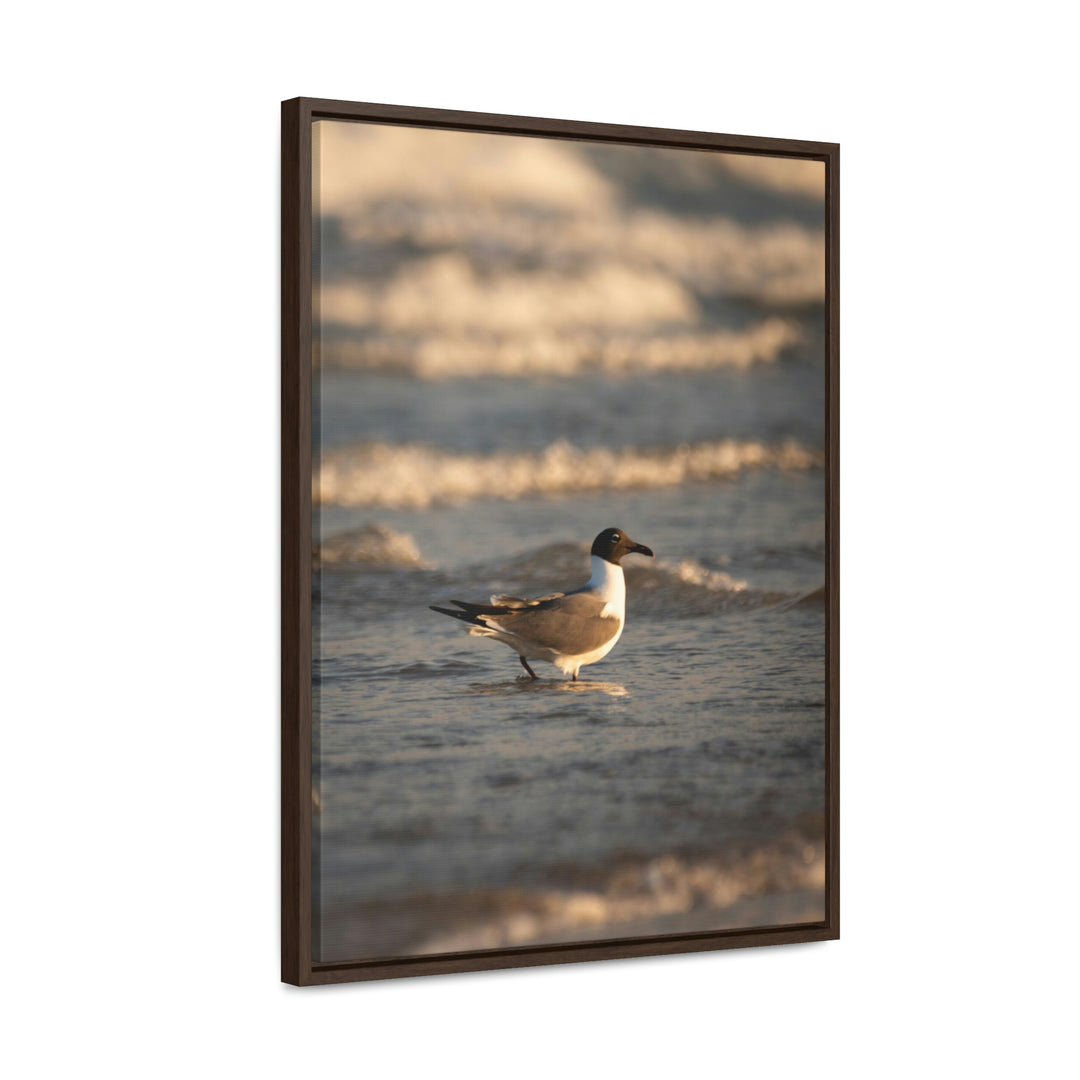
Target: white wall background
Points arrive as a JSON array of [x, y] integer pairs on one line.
[[139, 449]]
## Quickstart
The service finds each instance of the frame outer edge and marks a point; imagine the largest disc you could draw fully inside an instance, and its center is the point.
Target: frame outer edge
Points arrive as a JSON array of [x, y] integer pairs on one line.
[[297, 115], [832, 524], [579, 953], [505, 124], [296, 542]]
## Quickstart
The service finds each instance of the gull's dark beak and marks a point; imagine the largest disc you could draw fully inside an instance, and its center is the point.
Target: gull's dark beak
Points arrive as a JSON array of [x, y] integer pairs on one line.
[[641, 549]]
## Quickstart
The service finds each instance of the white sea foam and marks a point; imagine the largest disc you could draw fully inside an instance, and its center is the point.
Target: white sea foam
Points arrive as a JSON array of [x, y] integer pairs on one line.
[[521, 256], [371, 545], [691, 572], [683, 891], [361, 164], [414, 475], [445, 293], [549, 352], [779, 262]]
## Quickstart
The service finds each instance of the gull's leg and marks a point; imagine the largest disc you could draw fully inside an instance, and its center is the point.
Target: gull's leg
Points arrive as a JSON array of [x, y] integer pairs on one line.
[[573, 678], [525, 665]]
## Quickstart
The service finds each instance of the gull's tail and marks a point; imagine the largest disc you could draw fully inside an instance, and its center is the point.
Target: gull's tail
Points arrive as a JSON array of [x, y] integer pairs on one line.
[[472, 612], [478, 617], [465, 616]]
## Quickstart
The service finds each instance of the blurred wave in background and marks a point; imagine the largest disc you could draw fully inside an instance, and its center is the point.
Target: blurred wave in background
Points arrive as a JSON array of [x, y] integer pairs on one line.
[[451, 254], [518, 343]]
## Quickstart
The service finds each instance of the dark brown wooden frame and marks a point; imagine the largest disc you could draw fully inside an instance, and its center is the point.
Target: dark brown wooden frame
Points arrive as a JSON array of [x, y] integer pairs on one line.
[[296, 623]]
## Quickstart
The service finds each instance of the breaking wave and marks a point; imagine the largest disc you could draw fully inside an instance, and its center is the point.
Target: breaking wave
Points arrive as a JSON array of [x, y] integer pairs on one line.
[[684, 588], [508, 202], [691, 572], [444, 293], [361, 165], [669, 892], [550, 352], [414, 475], [781, 884], [370, 545], [519, 256], [779, 263]]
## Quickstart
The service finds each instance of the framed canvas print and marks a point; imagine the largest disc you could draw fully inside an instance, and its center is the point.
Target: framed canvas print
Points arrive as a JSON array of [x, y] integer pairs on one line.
[[560, 552]]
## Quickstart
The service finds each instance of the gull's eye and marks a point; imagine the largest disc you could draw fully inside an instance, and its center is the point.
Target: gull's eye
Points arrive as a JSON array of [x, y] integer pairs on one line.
[[616, 538]]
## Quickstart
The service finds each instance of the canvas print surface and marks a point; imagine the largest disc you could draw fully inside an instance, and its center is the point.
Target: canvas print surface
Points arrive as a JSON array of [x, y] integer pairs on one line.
[[569, 421]]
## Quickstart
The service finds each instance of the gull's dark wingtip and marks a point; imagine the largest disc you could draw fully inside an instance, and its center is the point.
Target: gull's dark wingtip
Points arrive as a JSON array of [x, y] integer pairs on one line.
[[464, 616]]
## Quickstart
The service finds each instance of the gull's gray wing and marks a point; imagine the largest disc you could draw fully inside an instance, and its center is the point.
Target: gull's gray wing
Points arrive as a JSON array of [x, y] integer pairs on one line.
[[572, 625], [517, 601]]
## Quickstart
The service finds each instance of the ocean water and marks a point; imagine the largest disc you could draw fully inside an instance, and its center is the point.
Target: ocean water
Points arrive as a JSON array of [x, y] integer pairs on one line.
[[474, 431]]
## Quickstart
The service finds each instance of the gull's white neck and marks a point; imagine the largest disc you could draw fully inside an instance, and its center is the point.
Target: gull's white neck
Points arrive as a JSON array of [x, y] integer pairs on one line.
[[608, 583]]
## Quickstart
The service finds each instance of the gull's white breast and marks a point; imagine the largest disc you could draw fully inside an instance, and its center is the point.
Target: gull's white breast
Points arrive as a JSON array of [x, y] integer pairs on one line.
[[609, 585]]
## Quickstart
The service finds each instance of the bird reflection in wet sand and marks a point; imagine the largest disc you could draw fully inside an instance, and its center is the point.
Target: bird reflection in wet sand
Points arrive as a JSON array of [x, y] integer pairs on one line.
[[525, 684]]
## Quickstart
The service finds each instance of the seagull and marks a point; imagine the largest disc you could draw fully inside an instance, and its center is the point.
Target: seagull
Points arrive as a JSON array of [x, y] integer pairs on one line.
[[568, 630]]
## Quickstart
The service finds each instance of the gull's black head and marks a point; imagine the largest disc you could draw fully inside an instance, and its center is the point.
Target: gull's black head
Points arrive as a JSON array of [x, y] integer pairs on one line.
[[613, 544]]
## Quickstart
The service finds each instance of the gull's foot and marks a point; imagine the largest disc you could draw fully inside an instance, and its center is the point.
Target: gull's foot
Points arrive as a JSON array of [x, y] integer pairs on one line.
[[525, 665]]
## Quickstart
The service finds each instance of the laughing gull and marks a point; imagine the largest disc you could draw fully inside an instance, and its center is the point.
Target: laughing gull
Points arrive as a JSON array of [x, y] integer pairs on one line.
[[569, 630]]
